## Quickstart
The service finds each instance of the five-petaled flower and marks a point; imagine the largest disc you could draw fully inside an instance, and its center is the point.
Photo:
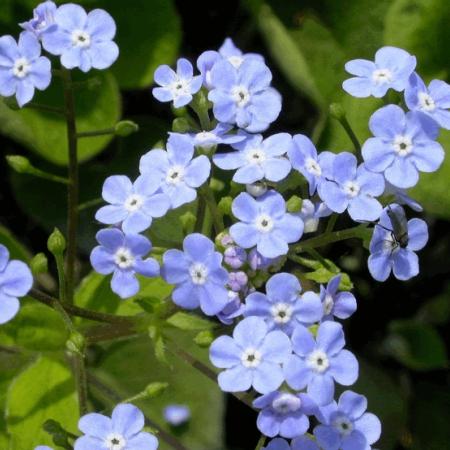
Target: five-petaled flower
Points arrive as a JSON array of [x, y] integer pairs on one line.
[[252, 357], [336, 304]]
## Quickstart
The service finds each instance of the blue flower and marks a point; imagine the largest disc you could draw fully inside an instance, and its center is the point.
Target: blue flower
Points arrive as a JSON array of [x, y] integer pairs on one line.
[[256, 261], [393, 244], [304, 158], [43, 447], [346, 425], [282, 307], [235, 256], [218, 135], [198, 275], [244, 96], [257, 158], [234, 308], [177, 415], [132, 204], [404, 144], [336, 304], [317, 363], [284, 414], [15, 281], [179, 174], [391, 69], [177, 86], [122, 431], [402, 197], [252, 357], [43, 19], [265, 223], [122, 255], [352, 188], [82, 40], [311, 212], [229, 52], [237, 281], [433, 101], [22, 68], [299, 443]]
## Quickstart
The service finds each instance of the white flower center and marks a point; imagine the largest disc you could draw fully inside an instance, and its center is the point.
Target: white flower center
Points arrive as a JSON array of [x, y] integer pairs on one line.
[[286, 403], [426, 102], [180, 87], [389, 243], [21, 67], [343, 425], [175, 175], [236, 61], [205, 136], [115, 441], [133, 203], [313, 167], [240, 95], [318, 361], [328, 304], [264, 223], [81, 39], [251, 357], [352, 189], [281, 312], [402, 145], [198, 273], [381, 76], [255, 156], [124, 258]]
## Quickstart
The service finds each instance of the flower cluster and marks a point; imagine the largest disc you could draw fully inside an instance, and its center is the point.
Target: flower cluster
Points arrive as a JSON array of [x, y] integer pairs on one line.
[[287, 344], [81, 40]]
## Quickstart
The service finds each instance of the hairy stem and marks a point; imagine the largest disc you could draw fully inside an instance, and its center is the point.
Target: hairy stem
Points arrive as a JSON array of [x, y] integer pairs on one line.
[[95, 133], [82, 385], [261, 442], [72, 197]]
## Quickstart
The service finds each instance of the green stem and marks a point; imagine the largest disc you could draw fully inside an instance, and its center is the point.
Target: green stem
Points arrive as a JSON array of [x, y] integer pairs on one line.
[[203, 116], [319, 241], [116, 398], [351, 134], [46, 108], [208, 195], [201, 209], [89, 204], [72, 197], [95, 133], [47, 176], [331, 223], [261, 442], [77, 311], [82, 386]]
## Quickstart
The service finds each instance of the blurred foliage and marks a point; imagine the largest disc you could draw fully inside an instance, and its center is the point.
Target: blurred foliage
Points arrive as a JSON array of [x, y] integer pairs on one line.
[[306, 44]]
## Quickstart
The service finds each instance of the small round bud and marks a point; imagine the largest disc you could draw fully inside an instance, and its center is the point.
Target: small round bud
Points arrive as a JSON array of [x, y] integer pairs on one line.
[[52, 426], [256, 189], [125, 127], [204, 338], [217, 185], [180, 125], [39, 264], [155, 389], [294, 204], [225, 205], [76, 343], [313, 329], [56, 242], [19, 163], [337, 111]]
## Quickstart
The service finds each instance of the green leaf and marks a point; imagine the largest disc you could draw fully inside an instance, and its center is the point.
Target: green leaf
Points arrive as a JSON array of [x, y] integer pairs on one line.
[[148, 34], [418, 346], [97, 107], [130, 374], [36, 327], [45, 390], [437, 309], [421, 27], [189, 322]]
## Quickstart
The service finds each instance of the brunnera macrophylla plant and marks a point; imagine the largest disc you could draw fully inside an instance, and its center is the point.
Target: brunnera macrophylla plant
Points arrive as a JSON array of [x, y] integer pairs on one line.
[[281, 342]]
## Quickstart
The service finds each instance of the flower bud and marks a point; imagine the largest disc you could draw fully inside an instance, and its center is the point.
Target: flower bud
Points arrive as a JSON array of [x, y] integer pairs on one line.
[[155, 389], [180, 125], [204, 338], [56, 242], [337, 111], [225, 205], [294, 204], [125, 127], [19, 163], [256, 189], [39, 264], [76, 343]]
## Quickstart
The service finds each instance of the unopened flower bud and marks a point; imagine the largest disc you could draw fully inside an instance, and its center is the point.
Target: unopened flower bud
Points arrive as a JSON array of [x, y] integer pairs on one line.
[[204, 338], [76, 343], [56, 242], [39, 264], [256, 189], [180, 125], [337, 111], [125, 127], [19, 163], [155, 389], [294, 204]]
